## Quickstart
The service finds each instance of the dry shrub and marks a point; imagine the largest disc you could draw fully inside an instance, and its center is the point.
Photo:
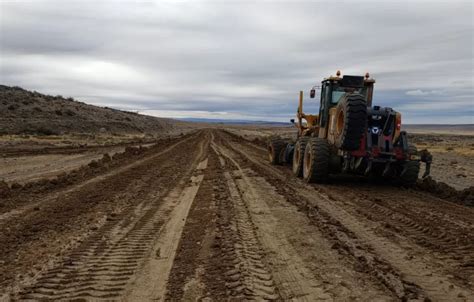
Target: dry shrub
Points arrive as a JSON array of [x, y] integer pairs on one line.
[[16, 186], [94, 164], [4, 189], [106, 158]]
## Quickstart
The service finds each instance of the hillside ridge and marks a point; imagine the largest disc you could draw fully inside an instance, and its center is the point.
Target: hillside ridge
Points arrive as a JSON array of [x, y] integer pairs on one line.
[[31, 112]]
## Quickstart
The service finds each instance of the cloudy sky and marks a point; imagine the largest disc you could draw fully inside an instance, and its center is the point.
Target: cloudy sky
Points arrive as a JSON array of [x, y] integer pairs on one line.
[[241, 59]]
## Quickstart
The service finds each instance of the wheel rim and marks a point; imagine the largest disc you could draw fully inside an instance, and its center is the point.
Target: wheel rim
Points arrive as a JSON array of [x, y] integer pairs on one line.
[[296, 159], [270, 153]]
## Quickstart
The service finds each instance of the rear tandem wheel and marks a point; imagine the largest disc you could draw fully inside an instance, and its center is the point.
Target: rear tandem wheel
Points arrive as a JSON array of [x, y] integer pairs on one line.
[[298, 156], [316, 160], [275, 149]]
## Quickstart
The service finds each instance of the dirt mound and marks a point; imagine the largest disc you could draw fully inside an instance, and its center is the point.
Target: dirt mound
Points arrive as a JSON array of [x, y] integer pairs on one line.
[[445, 191], [85, 172], [262, 142], [26, 112]]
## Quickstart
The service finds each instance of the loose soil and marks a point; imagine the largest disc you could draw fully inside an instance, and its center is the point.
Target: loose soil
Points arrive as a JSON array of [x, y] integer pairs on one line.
[[206, 217]]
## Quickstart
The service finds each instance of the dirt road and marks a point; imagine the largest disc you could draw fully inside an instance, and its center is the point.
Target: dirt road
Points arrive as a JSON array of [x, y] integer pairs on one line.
[[206, 217]]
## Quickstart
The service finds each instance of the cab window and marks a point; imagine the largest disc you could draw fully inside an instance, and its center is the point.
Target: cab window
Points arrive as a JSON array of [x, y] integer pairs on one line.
[[338, 92], [336, 96]]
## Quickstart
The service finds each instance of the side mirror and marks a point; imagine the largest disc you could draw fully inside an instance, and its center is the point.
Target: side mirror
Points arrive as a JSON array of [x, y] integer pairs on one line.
[[292, 121], [312, 93]]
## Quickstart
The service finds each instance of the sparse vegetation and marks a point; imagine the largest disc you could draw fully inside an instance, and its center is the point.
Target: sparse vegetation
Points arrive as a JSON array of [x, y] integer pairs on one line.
[[70, 112], [45, 131], [23, 111]]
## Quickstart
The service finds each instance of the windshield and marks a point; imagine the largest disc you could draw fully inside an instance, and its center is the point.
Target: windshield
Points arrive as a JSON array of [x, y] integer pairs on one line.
[[338, 92], [336, 96]]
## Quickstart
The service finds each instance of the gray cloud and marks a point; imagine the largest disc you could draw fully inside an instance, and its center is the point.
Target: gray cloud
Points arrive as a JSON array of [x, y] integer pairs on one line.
[[241, 59]]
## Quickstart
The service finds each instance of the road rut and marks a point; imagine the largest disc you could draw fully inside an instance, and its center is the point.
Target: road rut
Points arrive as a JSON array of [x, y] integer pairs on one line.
[[207, 217]]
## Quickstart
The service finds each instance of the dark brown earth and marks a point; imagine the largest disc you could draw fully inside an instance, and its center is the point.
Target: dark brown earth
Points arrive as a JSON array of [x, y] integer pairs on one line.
[[206, 217]]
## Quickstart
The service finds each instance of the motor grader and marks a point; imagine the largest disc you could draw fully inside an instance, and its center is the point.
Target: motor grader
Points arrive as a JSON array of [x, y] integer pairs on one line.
[[349, 135]]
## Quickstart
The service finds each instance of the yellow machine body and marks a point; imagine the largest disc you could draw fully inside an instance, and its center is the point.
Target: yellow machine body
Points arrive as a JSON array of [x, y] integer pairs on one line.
[[307, 123]]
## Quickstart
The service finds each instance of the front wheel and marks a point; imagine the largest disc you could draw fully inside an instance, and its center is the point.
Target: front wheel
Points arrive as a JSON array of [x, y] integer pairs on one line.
[[351, 121], [316, 160]]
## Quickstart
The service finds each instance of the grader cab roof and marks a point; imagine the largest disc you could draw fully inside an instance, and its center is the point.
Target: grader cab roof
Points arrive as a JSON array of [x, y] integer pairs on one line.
[[350, 80]]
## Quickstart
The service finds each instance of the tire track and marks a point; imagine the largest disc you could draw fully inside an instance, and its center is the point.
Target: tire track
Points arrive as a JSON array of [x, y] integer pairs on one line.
[[247, 274], [294, 279], [267, 235], [192, 264], [103, 265], [17, 212], [407, 278], [453, 244], [151, 282], [446, 229]]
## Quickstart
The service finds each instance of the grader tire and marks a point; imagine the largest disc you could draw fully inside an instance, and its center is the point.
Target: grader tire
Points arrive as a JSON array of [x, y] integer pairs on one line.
[[410, 169], [275, 148], [298, 156], [316, 160], [351, 121]]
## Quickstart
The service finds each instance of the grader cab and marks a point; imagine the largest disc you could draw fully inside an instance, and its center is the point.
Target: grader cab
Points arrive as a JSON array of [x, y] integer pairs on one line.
[[349, 135]]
